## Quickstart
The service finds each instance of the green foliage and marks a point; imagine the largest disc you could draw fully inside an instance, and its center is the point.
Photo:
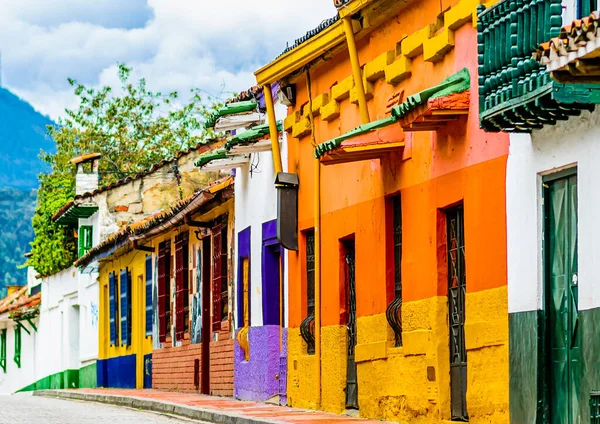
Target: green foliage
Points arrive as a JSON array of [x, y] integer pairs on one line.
[[16, 210], [133, 130]]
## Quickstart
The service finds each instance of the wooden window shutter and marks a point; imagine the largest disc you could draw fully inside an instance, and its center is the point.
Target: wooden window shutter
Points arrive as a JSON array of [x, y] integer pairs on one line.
[[112, 308], [181, 276], [163, 295], [217, 267], [84, 239], [148, 295], [125, 283]]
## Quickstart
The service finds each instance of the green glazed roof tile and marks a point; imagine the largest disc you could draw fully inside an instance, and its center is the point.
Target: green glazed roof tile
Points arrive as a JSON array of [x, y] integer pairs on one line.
[[457, 83], [230, 109], [251, 135], [333, 144], [210, 156]]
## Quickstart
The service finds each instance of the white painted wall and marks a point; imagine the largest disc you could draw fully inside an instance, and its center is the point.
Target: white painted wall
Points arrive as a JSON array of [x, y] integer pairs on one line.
[[256, 203], [16, 378], [568, 143], [68, 328]]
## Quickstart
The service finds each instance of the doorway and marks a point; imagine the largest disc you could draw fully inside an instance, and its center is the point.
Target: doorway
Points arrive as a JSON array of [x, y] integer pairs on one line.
[[206, 279], [349, 265], [561, 301]]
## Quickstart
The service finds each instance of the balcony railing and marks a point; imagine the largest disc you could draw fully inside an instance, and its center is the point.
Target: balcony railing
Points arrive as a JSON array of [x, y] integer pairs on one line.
[[516, 93]]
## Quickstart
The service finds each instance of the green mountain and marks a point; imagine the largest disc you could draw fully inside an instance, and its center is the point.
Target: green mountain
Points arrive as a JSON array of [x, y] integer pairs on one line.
[[22, 135]]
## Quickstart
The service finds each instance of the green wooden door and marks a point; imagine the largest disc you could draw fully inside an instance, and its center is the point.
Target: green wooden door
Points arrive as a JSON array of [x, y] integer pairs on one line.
[[561, 299]]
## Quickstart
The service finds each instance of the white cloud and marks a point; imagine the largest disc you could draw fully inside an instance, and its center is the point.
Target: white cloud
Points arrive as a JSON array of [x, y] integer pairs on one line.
[[174, 44]]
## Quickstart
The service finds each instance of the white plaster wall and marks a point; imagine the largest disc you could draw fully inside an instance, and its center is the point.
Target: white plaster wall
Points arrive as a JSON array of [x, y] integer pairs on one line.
[[16, 378], [569, 11], [255, 204], [573, 142], [68, 324]]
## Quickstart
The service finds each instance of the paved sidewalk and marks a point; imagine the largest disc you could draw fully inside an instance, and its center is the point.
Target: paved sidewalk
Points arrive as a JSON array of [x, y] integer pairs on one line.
[[202, 407]]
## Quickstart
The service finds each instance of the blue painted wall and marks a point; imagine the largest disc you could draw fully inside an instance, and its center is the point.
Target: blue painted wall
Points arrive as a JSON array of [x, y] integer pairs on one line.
[[117, 372]]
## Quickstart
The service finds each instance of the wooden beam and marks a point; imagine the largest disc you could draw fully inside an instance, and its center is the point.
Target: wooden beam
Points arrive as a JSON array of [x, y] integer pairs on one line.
[[143, 248], [198, 224]]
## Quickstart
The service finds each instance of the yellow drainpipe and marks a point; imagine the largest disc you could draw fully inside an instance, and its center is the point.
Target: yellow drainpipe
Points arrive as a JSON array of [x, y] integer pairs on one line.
[[356, 71], [273, 128], [317, 224]]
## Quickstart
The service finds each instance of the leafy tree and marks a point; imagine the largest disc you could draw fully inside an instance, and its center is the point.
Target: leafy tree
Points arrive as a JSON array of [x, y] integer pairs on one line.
[[132, 130]]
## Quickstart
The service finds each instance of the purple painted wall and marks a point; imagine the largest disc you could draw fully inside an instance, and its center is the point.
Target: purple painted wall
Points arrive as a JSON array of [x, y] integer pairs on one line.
[[256, 380], [283, 367]]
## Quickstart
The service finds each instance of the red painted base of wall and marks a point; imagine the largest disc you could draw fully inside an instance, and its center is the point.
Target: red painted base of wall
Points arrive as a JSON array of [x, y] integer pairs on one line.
[[173, 367]]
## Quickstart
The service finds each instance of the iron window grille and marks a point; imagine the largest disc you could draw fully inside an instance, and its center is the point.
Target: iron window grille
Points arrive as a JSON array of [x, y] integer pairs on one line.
[[3, 350], [224, 271], [394, 309], [182, 285], [457, 287], [307, 328], [595, 407], [164, 289], [17, 356]]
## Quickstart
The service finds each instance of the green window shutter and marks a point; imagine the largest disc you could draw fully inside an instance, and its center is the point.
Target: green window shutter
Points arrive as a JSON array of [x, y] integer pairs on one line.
[[17, 356], [85, 239], [3, 350]]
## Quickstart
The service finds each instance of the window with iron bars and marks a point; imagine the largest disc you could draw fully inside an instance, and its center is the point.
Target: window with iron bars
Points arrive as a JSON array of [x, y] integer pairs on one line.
[[307, 328], [394, 309]]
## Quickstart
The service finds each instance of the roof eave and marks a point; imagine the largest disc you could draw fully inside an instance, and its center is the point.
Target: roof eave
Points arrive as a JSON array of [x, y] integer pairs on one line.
[[301, 55]]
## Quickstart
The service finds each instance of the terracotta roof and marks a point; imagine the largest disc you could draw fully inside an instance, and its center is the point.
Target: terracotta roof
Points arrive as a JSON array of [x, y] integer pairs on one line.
[[141, 227], [86, 157], [200, 146], [579, 39], [19, 300], [340, 3], [250, 94]]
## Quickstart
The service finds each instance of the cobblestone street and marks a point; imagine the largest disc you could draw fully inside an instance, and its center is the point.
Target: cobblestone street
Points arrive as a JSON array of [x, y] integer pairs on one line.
[[26, 409]]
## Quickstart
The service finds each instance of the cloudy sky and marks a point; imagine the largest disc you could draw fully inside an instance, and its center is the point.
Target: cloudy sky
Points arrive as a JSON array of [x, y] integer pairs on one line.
[[175, 44]]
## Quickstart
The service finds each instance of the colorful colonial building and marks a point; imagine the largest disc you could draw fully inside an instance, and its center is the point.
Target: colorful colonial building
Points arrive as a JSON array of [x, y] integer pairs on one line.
[[259, 268], [398, 291], [541, 84], [72, 296]]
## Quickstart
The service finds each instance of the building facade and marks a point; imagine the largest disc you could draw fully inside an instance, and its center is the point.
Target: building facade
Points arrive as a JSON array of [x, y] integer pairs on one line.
[[549, 109], [19, 339], [259, 264], [397, 305]]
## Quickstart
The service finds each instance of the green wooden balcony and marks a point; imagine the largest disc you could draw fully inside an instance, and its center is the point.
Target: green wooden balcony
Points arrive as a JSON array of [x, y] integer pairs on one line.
[[516, 93]]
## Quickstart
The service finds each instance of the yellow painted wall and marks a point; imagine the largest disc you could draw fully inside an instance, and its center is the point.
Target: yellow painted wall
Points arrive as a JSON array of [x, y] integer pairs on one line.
[[140, 343], [390, 379]]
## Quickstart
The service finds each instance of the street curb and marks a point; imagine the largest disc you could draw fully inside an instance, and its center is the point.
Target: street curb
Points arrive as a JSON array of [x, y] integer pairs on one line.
[[153, 405]]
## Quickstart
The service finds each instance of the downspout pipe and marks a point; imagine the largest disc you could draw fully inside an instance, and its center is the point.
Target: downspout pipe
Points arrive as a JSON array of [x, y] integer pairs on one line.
[[356, 71], [273, 128], [317, 226]]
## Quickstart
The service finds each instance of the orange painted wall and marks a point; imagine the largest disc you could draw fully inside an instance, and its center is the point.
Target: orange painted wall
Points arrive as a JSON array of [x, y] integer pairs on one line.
[[437, 169]]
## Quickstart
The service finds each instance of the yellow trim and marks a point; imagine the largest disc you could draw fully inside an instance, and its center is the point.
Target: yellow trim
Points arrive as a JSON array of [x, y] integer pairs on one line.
[[301, 55], [273, 129], [243, 332], [356, 71], [372, 147], [353, 7]]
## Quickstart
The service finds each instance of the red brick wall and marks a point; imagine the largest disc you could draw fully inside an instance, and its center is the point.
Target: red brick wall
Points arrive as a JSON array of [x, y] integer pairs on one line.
[[173, 367], [221, 363]]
